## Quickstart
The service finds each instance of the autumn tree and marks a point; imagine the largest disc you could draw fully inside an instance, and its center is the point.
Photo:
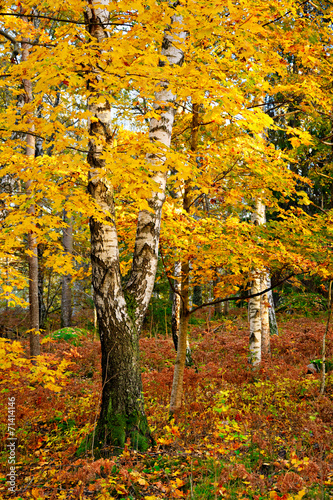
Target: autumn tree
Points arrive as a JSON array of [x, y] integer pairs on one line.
[[121, 310]]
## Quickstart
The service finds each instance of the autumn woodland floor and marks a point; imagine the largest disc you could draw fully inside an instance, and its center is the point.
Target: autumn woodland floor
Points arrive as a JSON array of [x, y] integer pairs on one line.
[[240, 435]]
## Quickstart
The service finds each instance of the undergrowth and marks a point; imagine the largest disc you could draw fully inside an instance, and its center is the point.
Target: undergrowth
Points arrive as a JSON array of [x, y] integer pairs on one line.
[[240, 435]]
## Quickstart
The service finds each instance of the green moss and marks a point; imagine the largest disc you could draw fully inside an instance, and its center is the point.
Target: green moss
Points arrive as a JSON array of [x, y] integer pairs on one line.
[[131, 305], [319, 364], [113, 434]]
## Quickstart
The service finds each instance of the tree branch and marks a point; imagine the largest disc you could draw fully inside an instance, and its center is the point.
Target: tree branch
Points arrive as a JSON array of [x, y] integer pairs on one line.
[[37, 16], [9, 37], [218, 301], [283, 15]]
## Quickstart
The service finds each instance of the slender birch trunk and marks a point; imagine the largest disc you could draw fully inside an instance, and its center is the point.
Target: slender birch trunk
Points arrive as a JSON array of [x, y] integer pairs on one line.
[[255, 321], [273, 327], [32, 241], [120, 313], [66, 291], [256, 306], [264, 313], [178, 376], [261, 309]]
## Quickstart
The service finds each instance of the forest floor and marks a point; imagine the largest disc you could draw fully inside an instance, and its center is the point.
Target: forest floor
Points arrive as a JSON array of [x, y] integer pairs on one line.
[[240, 434]]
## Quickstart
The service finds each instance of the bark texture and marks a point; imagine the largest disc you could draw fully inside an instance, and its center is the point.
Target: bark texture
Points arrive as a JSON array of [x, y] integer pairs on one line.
[[176, 304], [261, 309], [255, 321], [32, 241], [120, 312], [178, 376], [41, 304], [264, 313], [256, 305]]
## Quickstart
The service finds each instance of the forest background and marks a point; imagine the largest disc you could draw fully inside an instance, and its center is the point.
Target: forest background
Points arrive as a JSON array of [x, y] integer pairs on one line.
[[221, 113]]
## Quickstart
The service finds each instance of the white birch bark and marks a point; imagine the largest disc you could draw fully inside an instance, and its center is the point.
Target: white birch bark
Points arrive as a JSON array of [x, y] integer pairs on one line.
[[145, 258], [255, 321], [273, 327], [255, 304], [121, 312], [264, 313]]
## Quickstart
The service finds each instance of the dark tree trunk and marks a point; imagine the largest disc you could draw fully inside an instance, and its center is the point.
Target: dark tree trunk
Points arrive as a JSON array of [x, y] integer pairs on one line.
[[32, 241], [41, 304], [66, 290]]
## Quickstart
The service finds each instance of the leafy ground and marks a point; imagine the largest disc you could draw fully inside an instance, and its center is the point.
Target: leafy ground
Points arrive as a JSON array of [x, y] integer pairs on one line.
[[240, 435]]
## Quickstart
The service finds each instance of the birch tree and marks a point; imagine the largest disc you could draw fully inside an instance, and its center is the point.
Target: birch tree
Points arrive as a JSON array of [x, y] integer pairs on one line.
[[121, 310]]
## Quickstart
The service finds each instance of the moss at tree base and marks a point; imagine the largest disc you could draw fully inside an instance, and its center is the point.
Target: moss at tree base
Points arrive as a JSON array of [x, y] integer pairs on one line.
[[109, 438]]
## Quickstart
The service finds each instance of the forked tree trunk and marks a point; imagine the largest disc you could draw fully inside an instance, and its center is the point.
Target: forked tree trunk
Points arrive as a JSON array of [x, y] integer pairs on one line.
[[120, 313], [32, 241], [66, 290]]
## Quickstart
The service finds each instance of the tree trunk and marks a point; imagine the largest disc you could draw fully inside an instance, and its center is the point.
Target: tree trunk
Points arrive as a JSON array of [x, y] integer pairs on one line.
[[197, 295], [218, 306], [256, 306], [32, 241], [120, 313], [41, 304], [176, 305], [182, 351], [178, 376], [264, 313], [255, 322], [66, 291], [261, 308], [272, 316]]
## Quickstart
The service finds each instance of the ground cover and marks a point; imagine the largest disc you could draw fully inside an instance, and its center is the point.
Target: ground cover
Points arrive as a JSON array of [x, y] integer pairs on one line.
[[240, 434]]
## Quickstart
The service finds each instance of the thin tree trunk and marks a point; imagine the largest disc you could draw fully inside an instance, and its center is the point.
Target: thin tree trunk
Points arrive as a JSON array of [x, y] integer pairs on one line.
[[256, 307], [32, 241], [176, 304], [197, 295], [323, 352], [41, 304], [218, 306], [66, 291], [264, 313], [255, 321], [273, 327], [178, 376]]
